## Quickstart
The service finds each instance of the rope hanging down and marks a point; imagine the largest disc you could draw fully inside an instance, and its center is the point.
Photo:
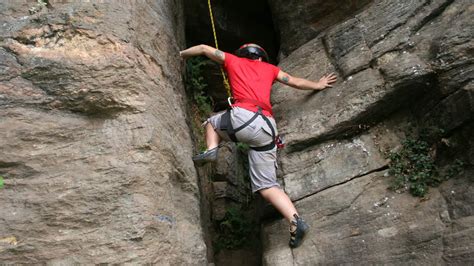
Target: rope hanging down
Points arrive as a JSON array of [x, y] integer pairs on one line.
[[224, 78]]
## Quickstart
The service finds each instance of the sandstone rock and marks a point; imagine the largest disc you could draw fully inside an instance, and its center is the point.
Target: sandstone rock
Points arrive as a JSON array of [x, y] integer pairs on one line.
[[366, 223], [305, 117], [446, 41], [378, 25], [226, 190], [220, 206], [319, 115], [459, 241], [353, 104], [92, 115], [405, 70], [329, 164], [404, 75], [453, 111], [299, 22], [237, 258], [96, 148], [384, 19], [230, 166], [394, 57], [346, 44], [459, 145]]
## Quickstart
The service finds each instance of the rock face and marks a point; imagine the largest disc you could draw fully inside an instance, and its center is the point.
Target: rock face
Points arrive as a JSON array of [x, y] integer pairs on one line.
[[93, 133], [401, 65], [96, 145], [300, 21], [368, 224]]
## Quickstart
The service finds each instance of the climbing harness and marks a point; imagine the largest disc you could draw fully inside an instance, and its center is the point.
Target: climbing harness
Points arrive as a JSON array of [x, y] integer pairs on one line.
[[224, 77], [226, 125]]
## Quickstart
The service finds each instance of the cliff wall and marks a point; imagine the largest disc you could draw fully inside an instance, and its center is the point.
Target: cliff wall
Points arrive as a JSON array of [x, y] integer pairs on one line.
[[403, 65], [95, 146]]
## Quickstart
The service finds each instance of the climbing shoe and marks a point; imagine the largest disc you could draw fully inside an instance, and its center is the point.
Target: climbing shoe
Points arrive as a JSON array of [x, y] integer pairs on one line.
[[205, 157], [298, 230]]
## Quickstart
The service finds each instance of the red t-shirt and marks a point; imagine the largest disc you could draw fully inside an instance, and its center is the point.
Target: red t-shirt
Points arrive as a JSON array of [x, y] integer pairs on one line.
[[250, 79]]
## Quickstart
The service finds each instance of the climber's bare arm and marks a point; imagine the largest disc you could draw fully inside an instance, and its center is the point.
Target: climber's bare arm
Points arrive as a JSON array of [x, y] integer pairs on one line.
[[303, 84], [202, 49]]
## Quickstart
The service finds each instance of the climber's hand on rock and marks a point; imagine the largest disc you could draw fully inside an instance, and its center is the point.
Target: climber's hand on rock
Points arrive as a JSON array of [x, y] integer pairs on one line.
[[327, 80]]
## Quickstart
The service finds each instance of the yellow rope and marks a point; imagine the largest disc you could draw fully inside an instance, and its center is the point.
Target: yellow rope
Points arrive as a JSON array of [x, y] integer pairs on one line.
[[224, 78]]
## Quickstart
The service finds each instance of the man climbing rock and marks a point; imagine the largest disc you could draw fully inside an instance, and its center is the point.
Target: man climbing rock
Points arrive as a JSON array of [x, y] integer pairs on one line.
[[250, 120]]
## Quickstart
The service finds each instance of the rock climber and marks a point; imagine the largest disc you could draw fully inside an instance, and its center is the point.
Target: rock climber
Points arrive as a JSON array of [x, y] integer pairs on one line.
[[250, 121]]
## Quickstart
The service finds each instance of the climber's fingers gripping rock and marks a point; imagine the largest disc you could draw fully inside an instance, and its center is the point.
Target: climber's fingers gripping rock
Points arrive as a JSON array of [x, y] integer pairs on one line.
[[328, 80]]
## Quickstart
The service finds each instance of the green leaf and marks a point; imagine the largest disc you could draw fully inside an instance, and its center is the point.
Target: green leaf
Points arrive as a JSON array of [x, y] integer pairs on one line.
[[1, 181]]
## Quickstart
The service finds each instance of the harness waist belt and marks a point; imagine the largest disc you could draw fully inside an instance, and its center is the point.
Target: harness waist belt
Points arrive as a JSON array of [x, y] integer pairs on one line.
[[226, 125], [257, 103]]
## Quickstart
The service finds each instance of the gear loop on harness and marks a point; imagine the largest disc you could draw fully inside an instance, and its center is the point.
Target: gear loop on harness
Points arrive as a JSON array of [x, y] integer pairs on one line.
[[229, 101]]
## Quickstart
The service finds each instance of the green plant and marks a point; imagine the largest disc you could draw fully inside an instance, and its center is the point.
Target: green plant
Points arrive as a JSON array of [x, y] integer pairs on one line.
[[1, 182], [234, 231], [414, 167], [195, 84], [200, 102], [242, 147]]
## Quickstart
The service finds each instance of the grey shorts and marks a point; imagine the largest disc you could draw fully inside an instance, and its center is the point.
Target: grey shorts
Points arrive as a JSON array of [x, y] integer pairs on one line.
[[262, 164]]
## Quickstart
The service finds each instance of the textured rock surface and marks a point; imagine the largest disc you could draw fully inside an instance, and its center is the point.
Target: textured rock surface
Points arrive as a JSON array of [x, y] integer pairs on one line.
[[401, 64], [95, 146], [362, 222], [300, 21], [329, 164], [229, 188]]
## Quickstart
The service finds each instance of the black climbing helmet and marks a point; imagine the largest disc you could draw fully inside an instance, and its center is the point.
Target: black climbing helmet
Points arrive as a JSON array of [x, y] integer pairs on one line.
[[252, 51]]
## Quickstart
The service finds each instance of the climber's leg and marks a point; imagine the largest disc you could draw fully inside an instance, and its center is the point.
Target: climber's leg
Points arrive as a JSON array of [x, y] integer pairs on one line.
[[278, 198], [212, 138], [298, 227], [263, 179]]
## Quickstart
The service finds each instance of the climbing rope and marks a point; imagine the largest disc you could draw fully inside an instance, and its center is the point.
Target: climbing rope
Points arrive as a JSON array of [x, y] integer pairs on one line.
[[224, 77]]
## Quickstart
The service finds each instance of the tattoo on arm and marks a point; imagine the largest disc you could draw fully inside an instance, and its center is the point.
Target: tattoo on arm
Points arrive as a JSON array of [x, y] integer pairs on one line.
[[219, 54], [285, 79]]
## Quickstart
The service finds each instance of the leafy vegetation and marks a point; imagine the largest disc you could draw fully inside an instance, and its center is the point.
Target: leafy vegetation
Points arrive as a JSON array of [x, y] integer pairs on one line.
[[242, 147], [196, 85], [235, 230], [200, 102], [1, 182], [414, 168]]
